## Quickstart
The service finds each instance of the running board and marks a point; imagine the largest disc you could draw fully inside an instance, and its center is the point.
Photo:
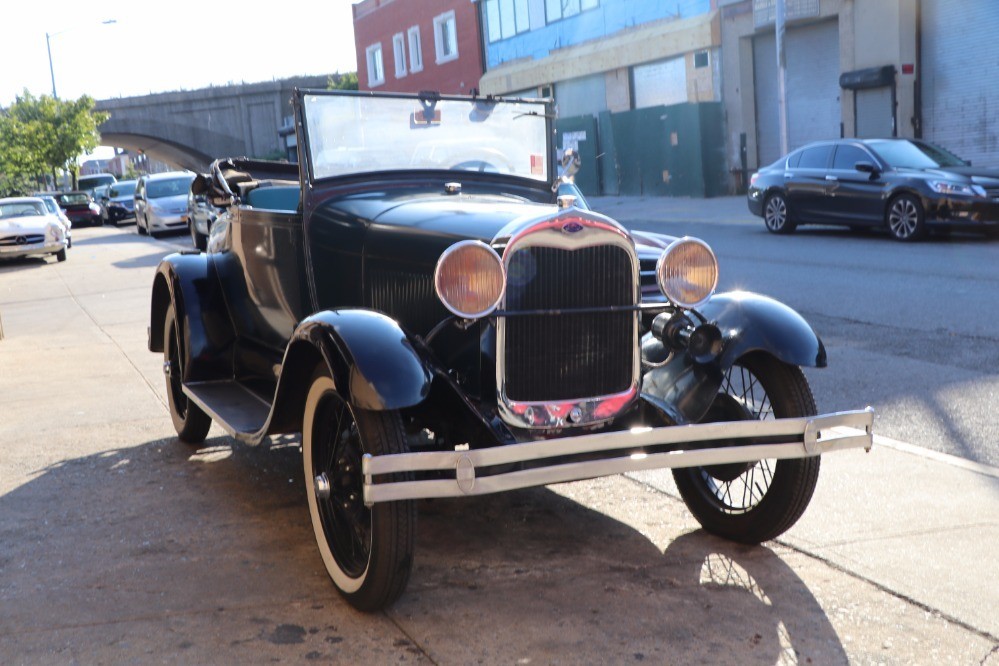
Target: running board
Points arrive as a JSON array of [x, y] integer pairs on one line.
[[240, 411], [806, 436]]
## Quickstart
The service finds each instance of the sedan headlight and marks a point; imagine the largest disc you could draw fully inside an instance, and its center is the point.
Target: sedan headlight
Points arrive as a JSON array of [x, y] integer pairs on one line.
[[470, 279], [687, 272], [961, 189]]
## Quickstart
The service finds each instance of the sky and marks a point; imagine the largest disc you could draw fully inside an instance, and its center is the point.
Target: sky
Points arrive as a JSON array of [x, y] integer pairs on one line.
[[168, 45]]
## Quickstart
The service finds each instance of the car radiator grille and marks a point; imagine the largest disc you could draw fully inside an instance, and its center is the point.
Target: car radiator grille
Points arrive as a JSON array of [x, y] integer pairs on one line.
[[27, 239], [564, 356]]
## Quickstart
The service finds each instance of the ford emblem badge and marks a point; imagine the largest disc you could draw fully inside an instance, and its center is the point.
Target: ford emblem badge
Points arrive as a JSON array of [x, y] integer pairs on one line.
[[572, 227]]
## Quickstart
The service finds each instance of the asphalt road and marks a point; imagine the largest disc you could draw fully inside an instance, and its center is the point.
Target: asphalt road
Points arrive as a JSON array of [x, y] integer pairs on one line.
[[911, 329], [119, 544]]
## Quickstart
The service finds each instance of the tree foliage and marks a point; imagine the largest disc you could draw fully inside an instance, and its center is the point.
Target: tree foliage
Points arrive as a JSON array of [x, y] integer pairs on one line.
[[41, 135], [346, 81]]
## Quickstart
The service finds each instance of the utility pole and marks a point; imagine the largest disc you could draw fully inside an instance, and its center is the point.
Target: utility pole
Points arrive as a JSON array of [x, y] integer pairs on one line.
[[48, 45], [781, 76]]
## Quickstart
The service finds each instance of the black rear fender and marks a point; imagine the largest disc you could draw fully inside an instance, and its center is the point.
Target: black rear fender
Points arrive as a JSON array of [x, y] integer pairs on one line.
[[185, 281]]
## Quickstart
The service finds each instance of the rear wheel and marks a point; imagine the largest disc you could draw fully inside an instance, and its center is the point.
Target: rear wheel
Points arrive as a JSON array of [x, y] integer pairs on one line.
[[777, 215], [757, 501], [189, 420], [905, 218], [138, 227], [368, 551]]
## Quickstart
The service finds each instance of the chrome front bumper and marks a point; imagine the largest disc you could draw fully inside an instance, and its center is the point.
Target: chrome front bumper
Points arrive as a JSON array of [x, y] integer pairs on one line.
[[34, 248], [807, 436]]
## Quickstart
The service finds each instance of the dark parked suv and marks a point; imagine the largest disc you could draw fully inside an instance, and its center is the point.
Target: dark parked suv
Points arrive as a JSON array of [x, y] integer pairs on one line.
[[904, 185]]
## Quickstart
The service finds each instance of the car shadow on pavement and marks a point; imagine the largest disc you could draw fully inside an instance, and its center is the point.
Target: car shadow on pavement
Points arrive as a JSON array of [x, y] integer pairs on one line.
[[177, 540]]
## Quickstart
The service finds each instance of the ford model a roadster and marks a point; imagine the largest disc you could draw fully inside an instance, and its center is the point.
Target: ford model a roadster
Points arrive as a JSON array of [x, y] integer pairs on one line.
[[425, 303]]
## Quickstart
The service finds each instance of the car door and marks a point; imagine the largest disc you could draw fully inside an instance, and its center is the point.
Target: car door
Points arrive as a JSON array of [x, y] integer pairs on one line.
[[852, 196], [806, 184]]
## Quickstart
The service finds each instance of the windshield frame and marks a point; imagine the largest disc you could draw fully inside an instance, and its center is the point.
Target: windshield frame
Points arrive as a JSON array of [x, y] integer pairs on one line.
[[542, 106]]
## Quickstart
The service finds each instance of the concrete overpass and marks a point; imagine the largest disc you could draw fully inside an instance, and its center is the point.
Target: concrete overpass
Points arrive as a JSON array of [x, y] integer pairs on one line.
[[189, 129]]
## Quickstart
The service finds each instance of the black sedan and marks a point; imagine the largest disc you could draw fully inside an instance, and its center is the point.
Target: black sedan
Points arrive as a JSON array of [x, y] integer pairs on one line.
[[905, 185]]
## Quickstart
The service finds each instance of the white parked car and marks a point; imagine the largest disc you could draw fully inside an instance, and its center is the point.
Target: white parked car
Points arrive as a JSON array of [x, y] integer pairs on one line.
[[161, 202], [28, 228], [55, 209]]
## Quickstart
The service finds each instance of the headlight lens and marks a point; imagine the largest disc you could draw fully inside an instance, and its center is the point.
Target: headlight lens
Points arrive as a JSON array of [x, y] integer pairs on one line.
[[947, 187], [687, 272], [470, 279]]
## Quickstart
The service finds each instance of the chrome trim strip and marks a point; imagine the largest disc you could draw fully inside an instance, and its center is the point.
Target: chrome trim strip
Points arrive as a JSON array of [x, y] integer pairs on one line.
[[808, 436], [548, 231]]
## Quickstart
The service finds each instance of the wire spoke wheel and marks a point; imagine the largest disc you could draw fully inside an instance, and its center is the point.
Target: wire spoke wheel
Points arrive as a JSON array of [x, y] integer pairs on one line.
[[367, 550], [755, 501]]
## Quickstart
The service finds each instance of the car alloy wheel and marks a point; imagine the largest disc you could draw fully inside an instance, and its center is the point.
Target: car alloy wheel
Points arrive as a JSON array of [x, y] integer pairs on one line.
[[905, 218], [775, 215]]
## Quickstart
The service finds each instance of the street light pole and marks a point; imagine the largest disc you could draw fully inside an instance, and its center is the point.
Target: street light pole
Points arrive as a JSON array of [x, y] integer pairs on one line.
[[48, 47]]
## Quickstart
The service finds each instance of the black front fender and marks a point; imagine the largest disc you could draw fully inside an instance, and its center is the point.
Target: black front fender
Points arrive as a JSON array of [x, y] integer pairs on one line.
[[748, 323], [373, 362]]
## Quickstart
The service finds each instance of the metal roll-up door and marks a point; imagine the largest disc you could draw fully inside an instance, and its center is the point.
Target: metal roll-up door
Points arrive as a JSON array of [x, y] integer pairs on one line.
[[813, 109], [960, 77]]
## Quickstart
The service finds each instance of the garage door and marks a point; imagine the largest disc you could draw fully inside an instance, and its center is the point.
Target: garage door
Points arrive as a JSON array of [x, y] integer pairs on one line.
[[813, 110], [960, 78]]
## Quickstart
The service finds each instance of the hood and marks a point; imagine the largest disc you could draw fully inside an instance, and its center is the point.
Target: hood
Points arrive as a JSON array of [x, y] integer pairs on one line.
[[36, 224], [979, 175]]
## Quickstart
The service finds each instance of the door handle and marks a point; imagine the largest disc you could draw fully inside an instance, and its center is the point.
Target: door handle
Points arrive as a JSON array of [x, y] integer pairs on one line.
[[830, 177]]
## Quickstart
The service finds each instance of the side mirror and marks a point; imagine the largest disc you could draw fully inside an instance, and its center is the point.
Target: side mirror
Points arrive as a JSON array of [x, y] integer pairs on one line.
[[867, 167]]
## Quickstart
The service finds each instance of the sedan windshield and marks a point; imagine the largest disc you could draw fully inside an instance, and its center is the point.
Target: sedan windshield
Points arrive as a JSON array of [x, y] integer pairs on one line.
[[22, 209], [915, 155], [157, 189], [124, 189], [353, 134]]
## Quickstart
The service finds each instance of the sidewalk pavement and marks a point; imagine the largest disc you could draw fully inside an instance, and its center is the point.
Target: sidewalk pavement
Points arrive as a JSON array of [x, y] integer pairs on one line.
[[643, 209]]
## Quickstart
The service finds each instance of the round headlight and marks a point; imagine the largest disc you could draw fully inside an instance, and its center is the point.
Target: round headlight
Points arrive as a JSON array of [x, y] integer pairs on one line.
[[687, 272], [470, 279]]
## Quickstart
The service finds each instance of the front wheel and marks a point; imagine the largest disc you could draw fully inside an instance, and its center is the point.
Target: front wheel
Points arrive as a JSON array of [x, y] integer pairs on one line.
[[906, 219], [757, 501], [368, 551], [777, 215]]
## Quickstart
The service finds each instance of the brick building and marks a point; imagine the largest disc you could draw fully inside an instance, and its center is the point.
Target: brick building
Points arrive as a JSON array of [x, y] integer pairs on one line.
[[414, 45]]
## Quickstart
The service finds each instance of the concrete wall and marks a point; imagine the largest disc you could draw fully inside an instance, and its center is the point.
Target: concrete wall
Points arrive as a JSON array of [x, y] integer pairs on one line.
[[189, 129]]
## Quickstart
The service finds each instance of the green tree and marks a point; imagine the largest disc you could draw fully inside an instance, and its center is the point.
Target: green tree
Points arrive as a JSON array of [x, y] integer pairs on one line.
[[339, 81], [40, 135]]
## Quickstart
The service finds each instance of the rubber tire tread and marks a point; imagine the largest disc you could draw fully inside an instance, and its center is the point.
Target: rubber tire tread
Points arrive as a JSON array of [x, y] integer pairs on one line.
[[794, 480], [393, 529], [193, 427]]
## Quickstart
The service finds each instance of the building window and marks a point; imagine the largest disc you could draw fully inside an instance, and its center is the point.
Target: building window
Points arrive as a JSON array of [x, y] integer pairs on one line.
[[445, 37], [700, 59], [415, 49], [556, 10], [376, 72], [399, 53], [506, 18]]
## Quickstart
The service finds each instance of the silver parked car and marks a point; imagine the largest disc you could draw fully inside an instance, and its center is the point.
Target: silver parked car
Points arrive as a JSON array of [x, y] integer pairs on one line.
[[28, 228], [53, 207], [161, 202]]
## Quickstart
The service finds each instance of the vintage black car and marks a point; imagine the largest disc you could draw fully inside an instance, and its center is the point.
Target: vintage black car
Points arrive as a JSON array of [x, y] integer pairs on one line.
[[438, 314], [906, 186]]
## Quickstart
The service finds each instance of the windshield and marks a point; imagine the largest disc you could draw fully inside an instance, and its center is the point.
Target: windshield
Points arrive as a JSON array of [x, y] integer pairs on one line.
[[168, 187], [354, 134], [123, 189], [51, 205], [74, 199], [913, 155], [90, 182], [22, 209]]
